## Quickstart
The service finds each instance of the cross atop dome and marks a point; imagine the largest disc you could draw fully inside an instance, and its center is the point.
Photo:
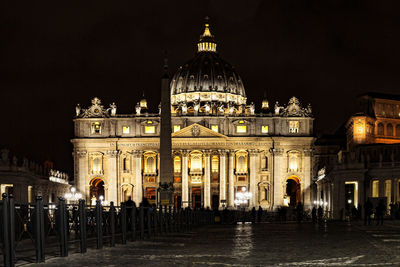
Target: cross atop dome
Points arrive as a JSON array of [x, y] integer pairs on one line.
[[206, 42]]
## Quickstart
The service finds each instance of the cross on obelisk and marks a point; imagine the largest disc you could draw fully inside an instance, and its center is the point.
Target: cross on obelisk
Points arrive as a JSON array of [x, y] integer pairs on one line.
[[166, 176]]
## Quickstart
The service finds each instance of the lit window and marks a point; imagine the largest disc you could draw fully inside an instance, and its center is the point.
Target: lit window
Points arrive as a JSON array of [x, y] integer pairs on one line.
[[214, 164], [375, 188], [125, 129], [177, 128], [149, 129], [214, 128], [150, 166], [293, 162], [241, 165], [177, 164], [96, 169], [264, 128], [241, 129], [96, 128], [293, 126], [196, 162]]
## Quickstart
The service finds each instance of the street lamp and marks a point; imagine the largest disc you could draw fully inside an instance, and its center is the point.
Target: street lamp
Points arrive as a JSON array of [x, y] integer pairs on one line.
[[73, 195], [242, 197]]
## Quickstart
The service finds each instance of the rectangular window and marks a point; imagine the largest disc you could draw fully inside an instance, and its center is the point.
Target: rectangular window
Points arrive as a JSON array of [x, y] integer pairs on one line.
[[375, 188], [264, 129], [241, 129], [96, 128], [177, 128], [125, 129], [293, 126], [149, 129], [214, 128]]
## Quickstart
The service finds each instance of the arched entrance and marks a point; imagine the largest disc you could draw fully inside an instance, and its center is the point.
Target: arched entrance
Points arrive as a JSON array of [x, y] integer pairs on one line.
[[293, 190], [96, 188]]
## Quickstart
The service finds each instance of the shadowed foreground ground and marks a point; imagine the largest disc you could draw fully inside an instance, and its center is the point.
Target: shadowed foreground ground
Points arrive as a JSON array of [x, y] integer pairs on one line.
[[290, 244]]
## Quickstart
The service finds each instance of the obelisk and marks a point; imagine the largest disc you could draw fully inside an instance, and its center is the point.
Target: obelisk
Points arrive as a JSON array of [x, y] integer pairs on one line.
[[166, 175]]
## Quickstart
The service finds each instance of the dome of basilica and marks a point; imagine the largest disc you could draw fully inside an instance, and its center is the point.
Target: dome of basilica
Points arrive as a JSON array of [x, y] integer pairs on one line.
[[207, 81]]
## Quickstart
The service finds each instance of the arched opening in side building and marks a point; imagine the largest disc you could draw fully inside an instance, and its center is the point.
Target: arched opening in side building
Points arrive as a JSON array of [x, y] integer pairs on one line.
[[96, 188], [293, 190]]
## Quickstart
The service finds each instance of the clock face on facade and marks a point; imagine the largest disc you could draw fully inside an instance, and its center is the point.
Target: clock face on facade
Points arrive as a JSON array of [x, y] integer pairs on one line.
[[96, 111]]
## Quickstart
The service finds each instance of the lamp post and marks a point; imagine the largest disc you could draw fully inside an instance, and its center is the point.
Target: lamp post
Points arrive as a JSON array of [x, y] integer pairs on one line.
[[73, 195]]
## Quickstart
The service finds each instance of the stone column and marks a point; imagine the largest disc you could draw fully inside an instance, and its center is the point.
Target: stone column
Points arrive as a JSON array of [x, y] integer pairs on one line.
[[277, 178], [207, 179], [231, 167], [185, 179], [222, 177], [112, 176], [81, 183], [138, 177], [253, 183]]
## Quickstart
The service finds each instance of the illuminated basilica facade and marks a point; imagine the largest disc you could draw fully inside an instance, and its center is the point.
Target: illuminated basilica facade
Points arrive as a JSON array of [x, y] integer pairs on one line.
[[222, 145]]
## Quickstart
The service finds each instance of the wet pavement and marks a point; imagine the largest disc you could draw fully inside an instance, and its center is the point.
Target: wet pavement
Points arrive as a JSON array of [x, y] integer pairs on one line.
[[288, 244]]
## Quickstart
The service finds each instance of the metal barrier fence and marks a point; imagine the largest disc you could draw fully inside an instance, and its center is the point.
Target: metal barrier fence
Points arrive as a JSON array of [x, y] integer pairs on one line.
[[55, 228]]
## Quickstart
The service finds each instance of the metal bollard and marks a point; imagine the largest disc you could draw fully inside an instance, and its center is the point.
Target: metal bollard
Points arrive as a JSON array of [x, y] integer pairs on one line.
[[112, 223], [39, 230], [7, 248], [148, 223], [155, 218], [63, 227], [160, 219], [175, 226], [133, 222], [99, 224], [141, 221], [82, 226], [170, 219], [166, 219], [123, 222]]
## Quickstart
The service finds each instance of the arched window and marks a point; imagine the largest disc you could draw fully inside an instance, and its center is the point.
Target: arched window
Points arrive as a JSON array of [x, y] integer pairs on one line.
[[196, 162], [97, 165], [398, 130], [241, 164], [266, 163], [177, 164], [150, 166], [381, 130], [214, 164], [389, 129], [293, 162]]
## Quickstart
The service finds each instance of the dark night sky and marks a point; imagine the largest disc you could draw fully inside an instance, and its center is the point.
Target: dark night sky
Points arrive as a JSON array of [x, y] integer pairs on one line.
[[55, 54]]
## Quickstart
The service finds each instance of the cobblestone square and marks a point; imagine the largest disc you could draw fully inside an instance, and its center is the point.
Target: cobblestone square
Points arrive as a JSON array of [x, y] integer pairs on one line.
[[287, 244]]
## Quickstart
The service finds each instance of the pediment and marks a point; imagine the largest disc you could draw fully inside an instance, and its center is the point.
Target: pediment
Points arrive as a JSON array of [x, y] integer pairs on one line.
[[197, 131]]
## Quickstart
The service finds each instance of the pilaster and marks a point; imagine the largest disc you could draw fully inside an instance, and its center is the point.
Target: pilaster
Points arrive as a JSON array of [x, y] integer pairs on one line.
[[307, 178], [253, 171], [231, 187], [207, 177], [137, 154], [81, 183], [277, 177], [185, 182], [112, 178], [222, 178]]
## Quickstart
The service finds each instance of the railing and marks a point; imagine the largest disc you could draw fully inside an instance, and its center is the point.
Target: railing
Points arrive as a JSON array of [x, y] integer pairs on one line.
[[30, 232]]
